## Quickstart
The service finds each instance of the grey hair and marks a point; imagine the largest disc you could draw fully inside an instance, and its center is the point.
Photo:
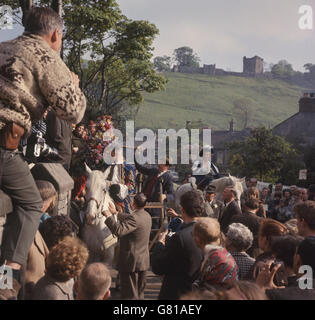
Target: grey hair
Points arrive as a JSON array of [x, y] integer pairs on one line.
[[240, 236], [42, 21]]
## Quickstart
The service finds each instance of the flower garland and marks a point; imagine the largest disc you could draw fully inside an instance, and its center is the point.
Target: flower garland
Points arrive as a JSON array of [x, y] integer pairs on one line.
[[100, 135]]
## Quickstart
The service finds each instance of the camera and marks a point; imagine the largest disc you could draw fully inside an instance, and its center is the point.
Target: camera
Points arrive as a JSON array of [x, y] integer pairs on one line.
[[41, 148]]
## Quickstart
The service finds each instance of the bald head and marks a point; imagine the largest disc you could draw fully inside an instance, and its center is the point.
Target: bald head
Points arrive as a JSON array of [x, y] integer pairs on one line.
[[94, 282]]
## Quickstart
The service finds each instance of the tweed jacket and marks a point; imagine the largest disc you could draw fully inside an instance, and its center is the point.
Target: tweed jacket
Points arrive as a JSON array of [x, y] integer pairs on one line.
[[133, 230], [32, 78], [35, 266], [48, 288]]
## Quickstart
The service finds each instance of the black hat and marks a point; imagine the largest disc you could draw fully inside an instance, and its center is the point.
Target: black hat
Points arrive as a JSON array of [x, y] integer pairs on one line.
[[210, 189], [114, 191]]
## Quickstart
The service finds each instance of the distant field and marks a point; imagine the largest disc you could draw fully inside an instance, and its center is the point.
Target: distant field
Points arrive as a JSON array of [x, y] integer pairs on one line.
[[195, 97]]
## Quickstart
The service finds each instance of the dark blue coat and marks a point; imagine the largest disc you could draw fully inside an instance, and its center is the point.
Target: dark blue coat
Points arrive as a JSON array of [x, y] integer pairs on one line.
[[166, 180], [179, 261]]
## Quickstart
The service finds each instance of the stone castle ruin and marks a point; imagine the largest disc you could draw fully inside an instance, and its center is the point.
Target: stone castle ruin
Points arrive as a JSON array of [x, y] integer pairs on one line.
[[252, 67]]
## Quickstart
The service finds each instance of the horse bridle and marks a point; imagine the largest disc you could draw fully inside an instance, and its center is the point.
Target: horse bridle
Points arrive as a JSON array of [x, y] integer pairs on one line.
[[93, 199], [98, 204]]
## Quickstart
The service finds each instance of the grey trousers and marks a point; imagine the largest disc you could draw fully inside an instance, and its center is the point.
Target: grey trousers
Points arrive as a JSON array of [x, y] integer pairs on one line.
[[17, 181], [132, 285]]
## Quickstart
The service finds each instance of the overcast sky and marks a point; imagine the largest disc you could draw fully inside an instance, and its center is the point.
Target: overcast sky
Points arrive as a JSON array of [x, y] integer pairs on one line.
[[223, 31]]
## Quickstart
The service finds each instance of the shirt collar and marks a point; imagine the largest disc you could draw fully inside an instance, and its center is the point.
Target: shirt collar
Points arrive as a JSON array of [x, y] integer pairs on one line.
[[161, 173], [228, 203], [210, 247]]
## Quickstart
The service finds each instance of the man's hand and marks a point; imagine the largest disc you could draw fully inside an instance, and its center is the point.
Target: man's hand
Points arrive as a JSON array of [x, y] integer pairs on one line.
[[106, 213], [76, 79], [266, 276], [162, 237], [163, 197], [172, 213], [112, 208]]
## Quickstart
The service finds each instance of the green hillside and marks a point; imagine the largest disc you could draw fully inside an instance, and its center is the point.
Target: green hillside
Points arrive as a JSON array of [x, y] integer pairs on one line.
[[195, 97]]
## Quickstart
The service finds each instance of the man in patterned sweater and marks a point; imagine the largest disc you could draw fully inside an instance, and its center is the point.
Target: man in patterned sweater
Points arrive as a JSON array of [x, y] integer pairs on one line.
[[32, 77]]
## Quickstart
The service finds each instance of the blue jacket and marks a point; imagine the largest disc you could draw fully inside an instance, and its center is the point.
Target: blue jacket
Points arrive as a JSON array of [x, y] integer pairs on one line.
[[166, 180]]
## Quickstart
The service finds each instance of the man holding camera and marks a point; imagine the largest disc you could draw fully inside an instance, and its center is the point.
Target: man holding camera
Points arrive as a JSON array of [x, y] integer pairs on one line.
[[32, 78]]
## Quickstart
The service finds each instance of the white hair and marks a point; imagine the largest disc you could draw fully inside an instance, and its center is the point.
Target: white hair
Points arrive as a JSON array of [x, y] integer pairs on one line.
[[240, 236]]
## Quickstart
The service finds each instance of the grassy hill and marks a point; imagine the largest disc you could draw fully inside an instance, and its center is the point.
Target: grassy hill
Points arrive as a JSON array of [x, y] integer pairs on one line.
[[195, 97]]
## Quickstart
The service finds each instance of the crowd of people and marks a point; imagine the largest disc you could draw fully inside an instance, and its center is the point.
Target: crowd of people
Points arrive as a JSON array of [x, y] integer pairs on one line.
[[246, 247]]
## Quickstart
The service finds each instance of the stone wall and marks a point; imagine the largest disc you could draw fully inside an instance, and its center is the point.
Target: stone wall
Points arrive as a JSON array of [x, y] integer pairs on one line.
[[206, 69], [252, 67]]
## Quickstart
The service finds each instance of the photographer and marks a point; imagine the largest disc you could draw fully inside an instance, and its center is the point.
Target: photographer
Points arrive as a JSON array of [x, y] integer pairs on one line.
[[32, 78], [304, 256]]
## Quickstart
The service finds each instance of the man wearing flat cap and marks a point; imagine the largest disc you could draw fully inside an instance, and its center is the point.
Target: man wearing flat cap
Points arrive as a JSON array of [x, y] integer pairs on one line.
[[214, 206]]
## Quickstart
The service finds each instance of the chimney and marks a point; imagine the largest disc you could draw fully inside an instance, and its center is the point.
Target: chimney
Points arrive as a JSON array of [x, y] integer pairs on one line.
[[232, 125]]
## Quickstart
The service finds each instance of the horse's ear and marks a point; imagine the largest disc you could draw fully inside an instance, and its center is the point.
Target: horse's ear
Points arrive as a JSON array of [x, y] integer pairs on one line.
[[87, 168], [243, 179]]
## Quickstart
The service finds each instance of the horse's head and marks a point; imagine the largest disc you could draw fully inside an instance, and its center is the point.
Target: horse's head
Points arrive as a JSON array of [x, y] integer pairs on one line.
[[96, 188], [228, 181]]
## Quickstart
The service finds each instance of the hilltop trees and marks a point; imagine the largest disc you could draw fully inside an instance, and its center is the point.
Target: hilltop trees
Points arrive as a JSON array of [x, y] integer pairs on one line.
[[162, 64], [185, 56], [311, 71], [283, 70], [182, 57]]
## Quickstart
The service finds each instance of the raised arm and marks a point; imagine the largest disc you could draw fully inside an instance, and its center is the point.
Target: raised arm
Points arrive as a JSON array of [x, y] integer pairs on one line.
[[121, 227]]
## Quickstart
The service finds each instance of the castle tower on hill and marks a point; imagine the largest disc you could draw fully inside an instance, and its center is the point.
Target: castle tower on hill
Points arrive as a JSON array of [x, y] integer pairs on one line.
[[253, 65]]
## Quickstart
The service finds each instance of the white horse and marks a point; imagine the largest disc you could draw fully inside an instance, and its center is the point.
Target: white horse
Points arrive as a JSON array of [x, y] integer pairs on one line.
[[224, 182], [220, 185], [95, 233]]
